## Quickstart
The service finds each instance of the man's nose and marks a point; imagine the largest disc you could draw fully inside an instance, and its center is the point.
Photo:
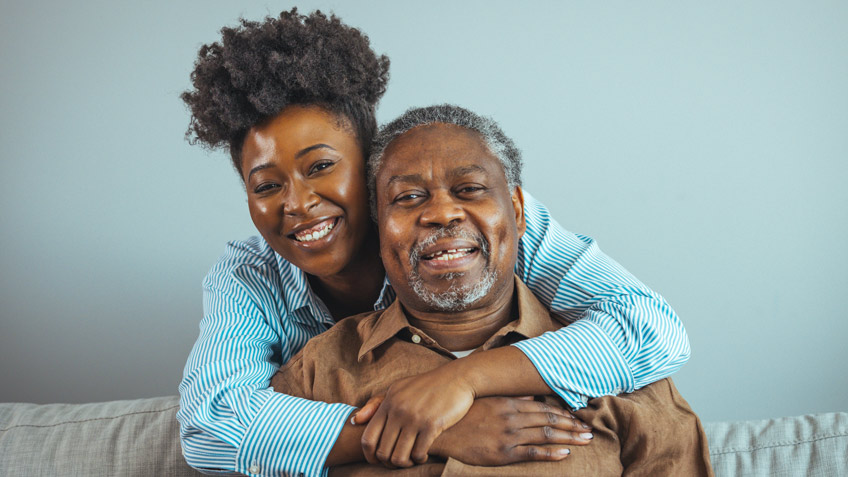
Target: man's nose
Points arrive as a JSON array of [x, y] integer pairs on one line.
[[299, 199], [441, 209]]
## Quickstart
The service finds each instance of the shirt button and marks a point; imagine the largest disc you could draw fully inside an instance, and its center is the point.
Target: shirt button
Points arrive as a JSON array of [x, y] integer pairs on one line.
[[254, 469], [416, 339]]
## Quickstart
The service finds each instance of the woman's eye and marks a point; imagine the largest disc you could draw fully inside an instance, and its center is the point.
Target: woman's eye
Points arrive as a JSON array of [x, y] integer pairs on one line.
[[320, 166], [265, 187]]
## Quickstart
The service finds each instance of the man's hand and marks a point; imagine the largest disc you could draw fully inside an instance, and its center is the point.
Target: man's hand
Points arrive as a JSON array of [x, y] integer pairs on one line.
[[413, 413], [500, 431]]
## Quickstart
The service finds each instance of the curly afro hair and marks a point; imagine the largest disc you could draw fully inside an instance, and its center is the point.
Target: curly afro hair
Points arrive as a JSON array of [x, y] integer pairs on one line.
[[259, 68]]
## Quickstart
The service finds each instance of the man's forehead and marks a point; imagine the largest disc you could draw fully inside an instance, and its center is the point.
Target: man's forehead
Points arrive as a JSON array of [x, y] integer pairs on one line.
[[430, 143]]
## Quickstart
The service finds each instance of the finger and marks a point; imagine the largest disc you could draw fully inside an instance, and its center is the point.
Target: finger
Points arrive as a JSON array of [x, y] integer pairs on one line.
[[540, 407], [371, 436], [388, 440], [552, 435], [403, 446], [366, 412], [523, 420], [421, 450], [539, 453]]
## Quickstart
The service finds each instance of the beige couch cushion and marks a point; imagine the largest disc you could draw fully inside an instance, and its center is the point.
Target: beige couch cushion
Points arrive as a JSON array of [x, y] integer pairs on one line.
[[128, 438], [810, 446], [141, 438]]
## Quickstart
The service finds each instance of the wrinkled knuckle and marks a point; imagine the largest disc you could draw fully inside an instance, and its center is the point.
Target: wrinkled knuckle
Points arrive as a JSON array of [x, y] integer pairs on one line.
[[552, 418], [532, 452], [549, 432]]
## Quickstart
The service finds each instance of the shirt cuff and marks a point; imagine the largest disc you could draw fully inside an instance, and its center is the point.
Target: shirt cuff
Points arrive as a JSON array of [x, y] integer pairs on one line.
[[291, 436], [579, 362]]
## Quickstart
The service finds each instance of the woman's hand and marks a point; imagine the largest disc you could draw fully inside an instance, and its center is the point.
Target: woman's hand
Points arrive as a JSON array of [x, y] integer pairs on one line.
[[413, 413], [500, 431]]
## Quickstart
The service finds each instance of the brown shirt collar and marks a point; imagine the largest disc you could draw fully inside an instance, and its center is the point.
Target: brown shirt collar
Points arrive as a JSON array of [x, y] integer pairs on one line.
[[533, 320]]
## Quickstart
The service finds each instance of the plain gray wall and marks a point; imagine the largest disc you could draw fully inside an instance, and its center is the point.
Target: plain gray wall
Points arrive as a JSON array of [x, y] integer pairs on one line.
[[703, 144]]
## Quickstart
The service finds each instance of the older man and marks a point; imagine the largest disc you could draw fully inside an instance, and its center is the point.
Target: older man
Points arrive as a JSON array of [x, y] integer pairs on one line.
[[450, 213]]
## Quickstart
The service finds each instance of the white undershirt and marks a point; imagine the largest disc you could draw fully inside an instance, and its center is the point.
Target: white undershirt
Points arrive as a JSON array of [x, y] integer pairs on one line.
[[462, 354]]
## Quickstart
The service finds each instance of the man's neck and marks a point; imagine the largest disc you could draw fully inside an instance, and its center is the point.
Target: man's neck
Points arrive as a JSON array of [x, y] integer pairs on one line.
[[470, 329]]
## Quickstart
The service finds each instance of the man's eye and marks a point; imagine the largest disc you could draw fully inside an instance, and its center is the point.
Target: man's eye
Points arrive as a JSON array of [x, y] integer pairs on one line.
[[470, 189], [408, 197]]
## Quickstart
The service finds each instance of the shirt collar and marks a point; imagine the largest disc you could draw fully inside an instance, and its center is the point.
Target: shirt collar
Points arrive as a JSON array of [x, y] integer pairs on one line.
[[298, 295], [533, 320]]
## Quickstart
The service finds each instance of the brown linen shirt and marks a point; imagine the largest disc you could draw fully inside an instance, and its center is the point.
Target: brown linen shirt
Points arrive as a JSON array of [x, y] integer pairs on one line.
[[650, 432]]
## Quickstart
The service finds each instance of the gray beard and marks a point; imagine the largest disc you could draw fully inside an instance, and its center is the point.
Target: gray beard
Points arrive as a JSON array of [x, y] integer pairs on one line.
[[455, 298]]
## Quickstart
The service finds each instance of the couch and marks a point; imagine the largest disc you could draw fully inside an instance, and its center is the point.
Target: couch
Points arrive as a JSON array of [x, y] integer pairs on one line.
[[141, 438]]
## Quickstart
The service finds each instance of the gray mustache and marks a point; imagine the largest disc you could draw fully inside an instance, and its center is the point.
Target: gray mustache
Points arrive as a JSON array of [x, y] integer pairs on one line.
[[447, 232]]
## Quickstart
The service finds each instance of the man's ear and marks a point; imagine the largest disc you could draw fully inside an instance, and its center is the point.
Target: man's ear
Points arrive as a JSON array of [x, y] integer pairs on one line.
[[518, 205]]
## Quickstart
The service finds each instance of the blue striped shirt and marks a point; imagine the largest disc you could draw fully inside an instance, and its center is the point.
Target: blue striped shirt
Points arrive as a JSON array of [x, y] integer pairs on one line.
[[259, 311]]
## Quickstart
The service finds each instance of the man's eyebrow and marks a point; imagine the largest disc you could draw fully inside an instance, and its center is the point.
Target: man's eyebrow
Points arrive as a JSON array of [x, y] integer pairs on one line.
[[415, 178], [311, 148], [465, 170]]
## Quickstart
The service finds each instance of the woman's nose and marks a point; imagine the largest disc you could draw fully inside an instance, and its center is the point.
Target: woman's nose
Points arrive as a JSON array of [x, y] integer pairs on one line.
[[300, 199]]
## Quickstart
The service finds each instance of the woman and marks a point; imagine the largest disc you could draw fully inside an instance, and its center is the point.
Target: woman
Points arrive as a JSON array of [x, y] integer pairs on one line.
[[294, 98]]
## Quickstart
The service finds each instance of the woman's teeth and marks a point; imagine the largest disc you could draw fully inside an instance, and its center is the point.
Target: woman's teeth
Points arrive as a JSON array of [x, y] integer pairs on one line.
[[451, 254], [315, 235]]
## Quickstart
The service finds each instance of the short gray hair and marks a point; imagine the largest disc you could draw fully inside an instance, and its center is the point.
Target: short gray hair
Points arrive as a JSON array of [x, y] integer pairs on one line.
[[498, 143]]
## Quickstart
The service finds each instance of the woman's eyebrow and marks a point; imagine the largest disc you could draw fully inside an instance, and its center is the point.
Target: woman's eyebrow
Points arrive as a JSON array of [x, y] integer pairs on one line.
[[258, 168], [307, 150]]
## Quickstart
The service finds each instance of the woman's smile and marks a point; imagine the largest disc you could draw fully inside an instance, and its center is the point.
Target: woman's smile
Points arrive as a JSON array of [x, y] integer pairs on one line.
[[316, 236]]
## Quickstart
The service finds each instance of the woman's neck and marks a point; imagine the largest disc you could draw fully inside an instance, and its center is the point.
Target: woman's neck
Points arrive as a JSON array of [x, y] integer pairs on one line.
[[356, 287]]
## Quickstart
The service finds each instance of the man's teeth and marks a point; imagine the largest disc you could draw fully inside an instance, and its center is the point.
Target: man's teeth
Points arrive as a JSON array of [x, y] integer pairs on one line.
[[451, 254], [313, 236]]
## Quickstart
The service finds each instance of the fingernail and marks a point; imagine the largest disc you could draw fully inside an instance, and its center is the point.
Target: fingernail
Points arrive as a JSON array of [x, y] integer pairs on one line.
[[353, 420], [586, 435], [564, 452], [585, 426]]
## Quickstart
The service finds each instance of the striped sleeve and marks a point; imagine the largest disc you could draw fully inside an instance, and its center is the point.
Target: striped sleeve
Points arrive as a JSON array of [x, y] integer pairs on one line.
[[621, 335], [230, 420]]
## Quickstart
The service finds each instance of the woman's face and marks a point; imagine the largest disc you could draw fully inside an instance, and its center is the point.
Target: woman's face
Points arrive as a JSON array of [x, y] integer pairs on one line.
[[305, 178]]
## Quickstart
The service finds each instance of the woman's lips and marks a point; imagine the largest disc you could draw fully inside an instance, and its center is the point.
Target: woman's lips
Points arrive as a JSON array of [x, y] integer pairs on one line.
[[316, 235]]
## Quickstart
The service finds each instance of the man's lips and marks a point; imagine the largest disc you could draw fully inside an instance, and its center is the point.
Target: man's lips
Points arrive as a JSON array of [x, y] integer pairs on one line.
[[450, 254], [313, 232], [447, 247]]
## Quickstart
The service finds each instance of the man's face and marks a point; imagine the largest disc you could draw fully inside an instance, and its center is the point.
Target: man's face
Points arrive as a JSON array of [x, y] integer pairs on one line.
[[449, 224]]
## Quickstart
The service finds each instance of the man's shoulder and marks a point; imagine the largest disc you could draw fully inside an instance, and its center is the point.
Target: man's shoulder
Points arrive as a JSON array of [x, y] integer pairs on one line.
[[345, 337]]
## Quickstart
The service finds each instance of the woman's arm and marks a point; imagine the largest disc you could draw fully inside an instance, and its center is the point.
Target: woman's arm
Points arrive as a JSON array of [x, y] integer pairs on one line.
[[622, 335], [229, 417]]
